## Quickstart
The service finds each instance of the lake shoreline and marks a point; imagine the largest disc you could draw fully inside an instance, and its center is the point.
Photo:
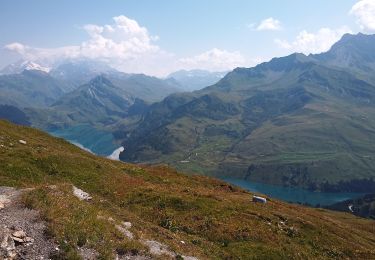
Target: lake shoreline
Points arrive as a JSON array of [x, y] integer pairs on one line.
[[295, 195]]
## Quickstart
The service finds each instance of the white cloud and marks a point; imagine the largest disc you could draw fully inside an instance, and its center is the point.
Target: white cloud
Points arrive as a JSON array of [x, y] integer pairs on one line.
[[16, 47], [320, 41], [124, 44], [269, 24], [213, 60], [364, 11], [45, 56], [129, 47], [125, 39]]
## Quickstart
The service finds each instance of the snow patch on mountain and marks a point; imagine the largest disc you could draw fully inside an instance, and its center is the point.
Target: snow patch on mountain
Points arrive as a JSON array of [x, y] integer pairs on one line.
[[20, 66]]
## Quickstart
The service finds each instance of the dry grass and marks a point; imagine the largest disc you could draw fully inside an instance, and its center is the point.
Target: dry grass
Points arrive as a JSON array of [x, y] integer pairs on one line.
[[214, 219]]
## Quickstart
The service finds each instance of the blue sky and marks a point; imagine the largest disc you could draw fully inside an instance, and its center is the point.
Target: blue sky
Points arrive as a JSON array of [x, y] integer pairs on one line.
[[157, 37]]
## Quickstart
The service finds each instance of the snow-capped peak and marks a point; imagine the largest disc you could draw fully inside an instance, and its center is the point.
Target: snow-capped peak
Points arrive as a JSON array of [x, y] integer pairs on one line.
[[30, 65], [22, 65]]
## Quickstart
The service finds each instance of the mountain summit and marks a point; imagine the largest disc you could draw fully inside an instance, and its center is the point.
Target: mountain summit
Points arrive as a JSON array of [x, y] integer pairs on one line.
[[299, 120], [20, 66], [355, 52]]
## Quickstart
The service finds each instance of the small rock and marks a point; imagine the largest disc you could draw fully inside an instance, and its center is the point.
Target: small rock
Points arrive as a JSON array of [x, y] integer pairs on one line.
[[19, 234], [7, 246], [127, 224], [125, 231], [7, 243], [12, 254], [19, 240], [28, 240], [182, 242], [22, 141], [20, 237], [3, 201], [259, 199], [81, 194], [100, 217], [157, 248], [189, 257], [52, 187]]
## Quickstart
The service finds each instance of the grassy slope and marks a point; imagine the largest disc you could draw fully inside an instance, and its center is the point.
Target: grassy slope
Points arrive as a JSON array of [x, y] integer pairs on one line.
[[363, 206], [30, 88], [98, 102], [214, 219], [311, 117]]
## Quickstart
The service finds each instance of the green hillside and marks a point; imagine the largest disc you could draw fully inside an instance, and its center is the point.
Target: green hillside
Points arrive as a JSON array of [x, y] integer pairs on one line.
[[80, 71], [30, 89], [362, 206], [293, 121], [213, 219], [98, 103]]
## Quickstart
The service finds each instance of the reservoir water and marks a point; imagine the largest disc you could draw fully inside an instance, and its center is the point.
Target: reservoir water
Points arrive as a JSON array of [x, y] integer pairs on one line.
[[102, 143], [294, 195], [89, 138]]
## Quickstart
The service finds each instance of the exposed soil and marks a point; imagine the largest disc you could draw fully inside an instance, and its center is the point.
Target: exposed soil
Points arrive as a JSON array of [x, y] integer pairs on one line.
[[33, 244]]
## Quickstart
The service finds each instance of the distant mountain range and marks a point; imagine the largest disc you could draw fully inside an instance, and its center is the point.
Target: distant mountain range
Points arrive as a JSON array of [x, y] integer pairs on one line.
[[191, 80], [77, 72], [73, 73], [305, 121], [71, 91], [31, 88], [22, 65], [84, 91], [98, 103]]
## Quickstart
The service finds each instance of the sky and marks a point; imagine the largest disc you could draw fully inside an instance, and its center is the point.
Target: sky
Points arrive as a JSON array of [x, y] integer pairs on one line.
[[159, 37]]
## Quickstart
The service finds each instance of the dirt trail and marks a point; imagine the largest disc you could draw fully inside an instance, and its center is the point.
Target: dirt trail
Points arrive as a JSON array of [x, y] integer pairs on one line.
[[22, 232]]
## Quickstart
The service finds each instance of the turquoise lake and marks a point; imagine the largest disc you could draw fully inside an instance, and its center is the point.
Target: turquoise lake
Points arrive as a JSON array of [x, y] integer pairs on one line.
[[293, 195], [98, 141], [103, 143]]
